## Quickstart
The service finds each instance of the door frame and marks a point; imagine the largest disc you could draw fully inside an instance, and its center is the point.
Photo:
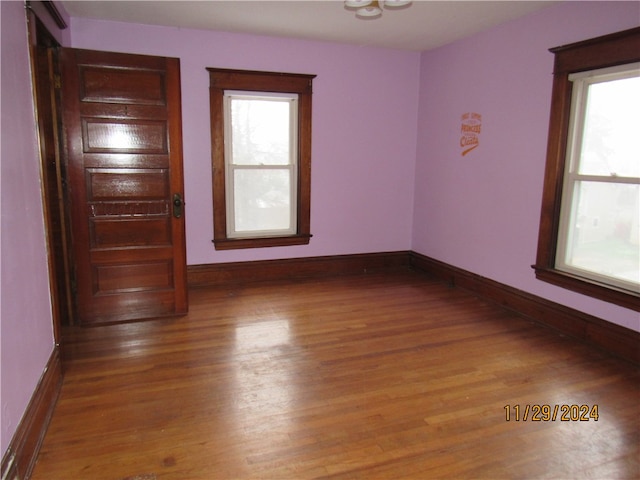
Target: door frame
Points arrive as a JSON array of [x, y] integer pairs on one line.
[[41, 40]]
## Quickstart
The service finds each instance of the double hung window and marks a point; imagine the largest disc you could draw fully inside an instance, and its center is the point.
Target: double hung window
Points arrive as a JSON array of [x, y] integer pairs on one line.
[[599, 235], [260, 163], [589, 237], [261, 154]]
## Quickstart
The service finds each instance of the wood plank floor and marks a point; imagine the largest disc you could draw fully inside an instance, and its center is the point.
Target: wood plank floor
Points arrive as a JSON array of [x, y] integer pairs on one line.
[[372, 376]]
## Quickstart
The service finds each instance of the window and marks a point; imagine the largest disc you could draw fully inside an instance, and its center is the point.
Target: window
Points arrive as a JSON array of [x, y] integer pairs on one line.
[[599, 213], [260, 163], [589, 239], [261, 156]]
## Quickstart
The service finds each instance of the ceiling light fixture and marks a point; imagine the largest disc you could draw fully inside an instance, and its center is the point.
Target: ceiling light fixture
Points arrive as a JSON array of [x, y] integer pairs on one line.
[[370, 9]]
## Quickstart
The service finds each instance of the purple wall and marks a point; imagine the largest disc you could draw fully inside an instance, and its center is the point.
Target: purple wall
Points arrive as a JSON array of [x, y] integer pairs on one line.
[[481, 211], [25, 312], [364, 132]]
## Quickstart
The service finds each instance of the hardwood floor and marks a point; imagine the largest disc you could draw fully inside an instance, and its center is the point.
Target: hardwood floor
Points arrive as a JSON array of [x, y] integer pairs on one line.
[[362, 377]]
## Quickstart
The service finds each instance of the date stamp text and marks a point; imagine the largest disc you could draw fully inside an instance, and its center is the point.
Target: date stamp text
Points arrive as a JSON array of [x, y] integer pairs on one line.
[[551, 413]]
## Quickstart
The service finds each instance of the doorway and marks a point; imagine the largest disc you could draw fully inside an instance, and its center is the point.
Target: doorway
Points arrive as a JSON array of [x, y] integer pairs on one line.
[[111, 167]]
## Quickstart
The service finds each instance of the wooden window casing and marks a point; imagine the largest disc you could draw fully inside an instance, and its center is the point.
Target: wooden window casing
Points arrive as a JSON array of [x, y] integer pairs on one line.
[[271, 82], [610, 50]]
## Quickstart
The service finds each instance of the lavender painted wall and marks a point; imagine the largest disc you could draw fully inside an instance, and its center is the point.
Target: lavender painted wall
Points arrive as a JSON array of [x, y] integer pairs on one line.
[[364, 132], [481, 211], [25, 308]]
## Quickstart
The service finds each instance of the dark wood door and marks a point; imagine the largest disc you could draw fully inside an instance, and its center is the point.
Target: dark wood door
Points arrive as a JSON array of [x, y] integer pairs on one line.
[[123, 137]]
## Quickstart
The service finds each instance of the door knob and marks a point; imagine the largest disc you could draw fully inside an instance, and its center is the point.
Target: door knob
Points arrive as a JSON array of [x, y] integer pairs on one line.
[[177, 205]]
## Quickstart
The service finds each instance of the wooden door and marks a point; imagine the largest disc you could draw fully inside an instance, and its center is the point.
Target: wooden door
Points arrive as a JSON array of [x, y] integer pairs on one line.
[[123, 137]]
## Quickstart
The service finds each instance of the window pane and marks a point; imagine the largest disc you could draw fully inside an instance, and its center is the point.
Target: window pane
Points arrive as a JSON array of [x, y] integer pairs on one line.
[[262, 200], [611, 129], [604, 234], [260, 131]]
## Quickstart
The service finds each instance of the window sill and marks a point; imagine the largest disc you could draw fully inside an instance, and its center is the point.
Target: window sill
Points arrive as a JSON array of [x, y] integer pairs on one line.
[[624, 298], [238, 243]]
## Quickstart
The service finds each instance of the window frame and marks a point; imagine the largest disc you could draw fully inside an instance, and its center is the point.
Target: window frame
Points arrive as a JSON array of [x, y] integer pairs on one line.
[[618, 48], [221, 80]]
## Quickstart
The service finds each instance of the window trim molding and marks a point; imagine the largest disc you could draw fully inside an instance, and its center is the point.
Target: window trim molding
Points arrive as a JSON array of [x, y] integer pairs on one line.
[[221, 79], [607, 51]]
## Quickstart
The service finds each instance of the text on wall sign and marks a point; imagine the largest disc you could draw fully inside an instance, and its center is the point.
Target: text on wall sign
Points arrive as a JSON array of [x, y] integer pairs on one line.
[[471, 124]]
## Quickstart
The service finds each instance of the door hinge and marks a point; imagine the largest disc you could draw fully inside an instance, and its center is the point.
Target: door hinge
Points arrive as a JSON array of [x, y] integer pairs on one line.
[[57, 82]]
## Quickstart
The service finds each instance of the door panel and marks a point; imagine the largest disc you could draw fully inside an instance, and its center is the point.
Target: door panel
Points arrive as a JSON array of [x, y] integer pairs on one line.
[[112, 233], [113, 85], [124, 152]]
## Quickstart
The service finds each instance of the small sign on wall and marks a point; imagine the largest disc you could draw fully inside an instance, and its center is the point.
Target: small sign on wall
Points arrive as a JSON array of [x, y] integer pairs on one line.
[[471, 124]]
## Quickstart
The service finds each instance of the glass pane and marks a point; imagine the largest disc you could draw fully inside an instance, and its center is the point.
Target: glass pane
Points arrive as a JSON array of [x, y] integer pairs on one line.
[[604, 235], [262, 200], [611, 129], [260, 131]]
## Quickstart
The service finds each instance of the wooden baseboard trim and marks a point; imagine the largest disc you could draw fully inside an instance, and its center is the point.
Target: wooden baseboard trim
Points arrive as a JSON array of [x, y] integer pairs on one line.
[[620, 341], [20, 458], [293, 268]]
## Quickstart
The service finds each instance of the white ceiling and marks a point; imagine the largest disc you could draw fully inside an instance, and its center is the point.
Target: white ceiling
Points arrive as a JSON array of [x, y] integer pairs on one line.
[[426, 24]]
